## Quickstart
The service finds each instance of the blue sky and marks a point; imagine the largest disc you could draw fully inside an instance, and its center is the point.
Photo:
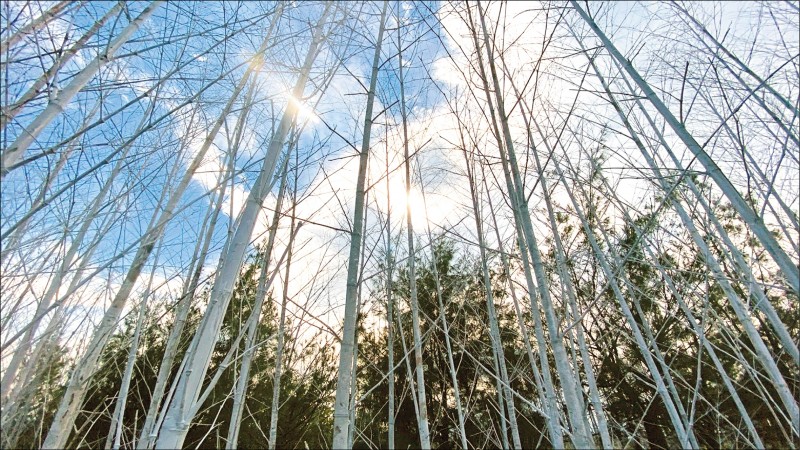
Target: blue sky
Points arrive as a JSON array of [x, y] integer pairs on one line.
[[328, 181]]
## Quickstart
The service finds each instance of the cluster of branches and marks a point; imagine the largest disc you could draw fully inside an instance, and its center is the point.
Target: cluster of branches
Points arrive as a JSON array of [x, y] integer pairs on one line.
[[614, 261]]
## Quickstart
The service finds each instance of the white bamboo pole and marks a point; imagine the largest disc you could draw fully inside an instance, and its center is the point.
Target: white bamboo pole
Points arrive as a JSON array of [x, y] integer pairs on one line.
[[561, 263], [234, 349], [768, 184], [671, 403], [761, 302], [354, 377], [81, 374], [537, 374], [152, 91], [19, 395], [147, 436]]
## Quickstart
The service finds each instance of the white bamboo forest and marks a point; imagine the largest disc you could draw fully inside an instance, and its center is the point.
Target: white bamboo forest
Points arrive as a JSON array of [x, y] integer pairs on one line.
[[393, 224]]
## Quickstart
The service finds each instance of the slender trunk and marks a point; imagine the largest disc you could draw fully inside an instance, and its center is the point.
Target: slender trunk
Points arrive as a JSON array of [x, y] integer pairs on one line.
[[15, 237], [739, 307], [422, 413], [760, 299], [81, 374], [179, 413], [571, 390], [11, 112], [35, 24], [445, 330], [354, 380], [518, 312], [146, 437], [673, 405], [107, 116], [24, 387], [76, 389], [756, 223], [761, 82], [389, 306], [14, 152], [341, 411], [756, 442], [243, 379], [504, 389], [276, 383], [561, 263], [354, 377], [56, 283], [498, 390], [234, 349], [740, 310], [566, 279], [115, 430]]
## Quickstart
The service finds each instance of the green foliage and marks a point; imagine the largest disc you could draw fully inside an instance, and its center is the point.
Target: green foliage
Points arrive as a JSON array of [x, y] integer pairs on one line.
[[466, 314], [627, 386], [638, 417], [307, 383]]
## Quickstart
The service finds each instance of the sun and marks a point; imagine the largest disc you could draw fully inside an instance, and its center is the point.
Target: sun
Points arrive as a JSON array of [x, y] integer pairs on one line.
[[402, 202], [304, 112], [415, 204]]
